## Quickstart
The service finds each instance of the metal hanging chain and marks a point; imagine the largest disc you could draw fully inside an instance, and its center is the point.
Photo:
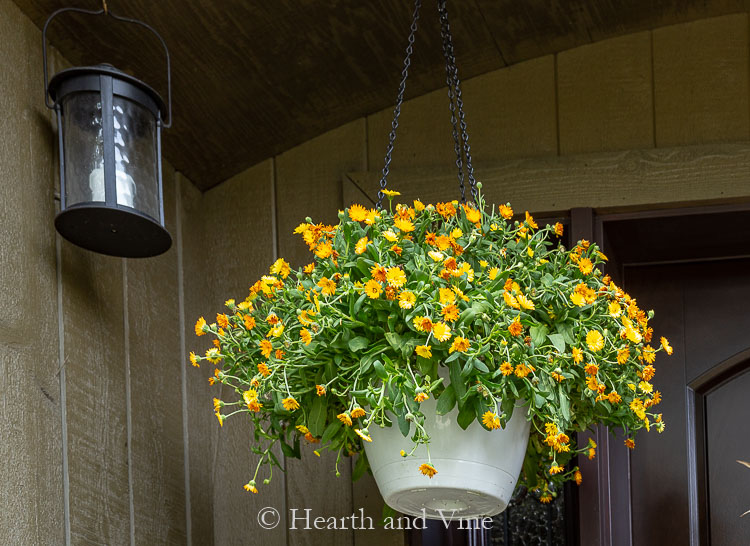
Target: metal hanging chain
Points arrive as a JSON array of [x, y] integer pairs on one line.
[[399, 102], [455, 89], [457, 145]]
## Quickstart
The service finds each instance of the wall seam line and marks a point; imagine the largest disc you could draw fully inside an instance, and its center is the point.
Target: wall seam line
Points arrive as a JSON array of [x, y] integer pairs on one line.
[[557, 102], [128, 404], [63, 391], [183, 359]]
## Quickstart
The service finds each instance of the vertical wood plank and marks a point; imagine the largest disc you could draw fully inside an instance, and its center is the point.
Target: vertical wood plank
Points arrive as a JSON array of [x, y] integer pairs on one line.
[[31, 483], [308, 183], [227, 235], [201, 425], [96, 404], [604, 95], [155, 398], [701, 81]]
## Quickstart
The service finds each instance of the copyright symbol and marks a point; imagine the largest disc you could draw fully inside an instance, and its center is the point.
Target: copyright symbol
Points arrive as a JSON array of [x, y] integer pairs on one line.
[[268, 517]]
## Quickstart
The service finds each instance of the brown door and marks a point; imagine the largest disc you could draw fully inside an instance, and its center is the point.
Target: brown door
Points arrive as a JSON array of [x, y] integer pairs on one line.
[[685, 486]]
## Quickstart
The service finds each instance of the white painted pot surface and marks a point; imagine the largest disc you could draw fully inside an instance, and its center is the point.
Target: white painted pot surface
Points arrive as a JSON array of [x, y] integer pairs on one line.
[[477, 468]]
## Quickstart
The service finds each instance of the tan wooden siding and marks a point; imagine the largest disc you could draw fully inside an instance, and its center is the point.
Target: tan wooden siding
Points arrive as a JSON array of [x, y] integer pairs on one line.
[[658, 118]]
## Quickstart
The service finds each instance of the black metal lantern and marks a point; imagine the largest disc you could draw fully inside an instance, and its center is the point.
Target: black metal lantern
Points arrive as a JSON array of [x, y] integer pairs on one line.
[[109, 132]]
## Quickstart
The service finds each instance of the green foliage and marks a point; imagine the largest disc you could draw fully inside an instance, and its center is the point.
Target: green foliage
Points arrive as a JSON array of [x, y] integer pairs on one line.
[[356, 338]]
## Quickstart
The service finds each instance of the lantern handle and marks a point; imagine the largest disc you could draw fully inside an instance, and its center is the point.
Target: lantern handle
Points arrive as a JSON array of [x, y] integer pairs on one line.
[[165, 122]]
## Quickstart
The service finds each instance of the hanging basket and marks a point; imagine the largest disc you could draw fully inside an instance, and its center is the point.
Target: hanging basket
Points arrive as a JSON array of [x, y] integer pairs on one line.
[[478, 469]]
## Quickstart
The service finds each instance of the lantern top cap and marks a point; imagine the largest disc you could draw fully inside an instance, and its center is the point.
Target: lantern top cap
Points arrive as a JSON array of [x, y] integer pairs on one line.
[[103, 69]]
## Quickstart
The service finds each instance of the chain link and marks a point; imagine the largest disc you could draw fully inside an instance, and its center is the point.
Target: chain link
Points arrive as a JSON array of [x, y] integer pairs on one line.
[[454, 94], [399, 102]]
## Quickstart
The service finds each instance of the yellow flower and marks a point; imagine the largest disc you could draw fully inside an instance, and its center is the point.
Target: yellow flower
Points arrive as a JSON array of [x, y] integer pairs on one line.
[[361, 245], [305, 336], [251, 487], [358, 213], [213, 355], [363, 434], [525, 302], [358, 412], [344, 418], [456, 233], [194, 359], [324, 250], [391, 193], [473, 215], [280, 267], [290, 404], [555, 469], [427, 469], [665, 345], [373, 289], [266, 348], [633, 335], [645, 386], [422, 324], [557, 376], [425, 351], [418, 205], [558, 229], [421, 397], [276, 331], [327, 286], [530, 252], [390, 236], [585, 266], [595, 340], [510, 300], [530, 220], [309, 268], [395, 277], [491, 420], [577, 355], [406, 299], [441, 331], [403, 225], [614, 309], [199, 327], [450, 313], [220, 417], [506, 368], [505, 211], [522, 370], [460, 344], [649, 355], [447, 296], [492, 273]]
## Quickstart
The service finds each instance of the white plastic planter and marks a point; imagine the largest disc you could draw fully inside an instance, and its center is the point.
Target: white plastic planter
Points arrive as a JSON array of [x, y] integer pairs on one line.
[[477, 468]]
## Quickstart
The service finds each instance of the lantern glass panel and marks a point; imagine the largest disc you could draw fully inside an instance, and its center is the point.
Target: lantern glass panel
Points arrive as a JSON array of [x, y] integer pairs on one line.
[[82, 142], [136, 157]]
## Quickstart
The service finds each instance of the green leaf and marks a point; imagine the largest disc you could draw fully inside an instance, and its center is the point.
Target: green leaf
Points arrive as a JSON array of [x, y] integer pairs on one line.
[[358, 304], [466, 416], [481, 366], [564, 404], [452, 357], [403, 425], [395, 340], [558, 340], [538, 334], [530, 465], [360, 467], [287, 450], [538, 400], [447, 400], [358, 343], [380, 370], [331, 431], [316, 420], [457, 381]]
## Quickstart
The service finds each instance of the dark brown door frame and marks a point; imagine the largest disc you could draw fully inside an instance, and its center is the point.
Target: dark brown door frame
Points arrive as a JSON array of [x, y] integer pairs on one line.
[[604, 492]]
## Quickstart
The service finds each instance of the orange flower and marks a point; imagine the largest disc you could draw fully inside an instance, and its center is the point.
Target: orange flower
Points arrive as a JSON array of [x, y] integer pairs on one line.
[[266, 348], [630, 443], [320, 390], [305, 336], [427, 469], [515, 328], [249, 322], [460, 344], [263, 369], [450, 313], [506, 211], [422, 324]]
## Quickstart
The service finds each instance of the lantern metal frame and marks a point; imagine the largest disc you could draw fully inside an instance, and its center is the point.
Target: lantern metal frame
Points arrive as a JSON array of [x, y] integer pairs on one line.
[[109, 227]]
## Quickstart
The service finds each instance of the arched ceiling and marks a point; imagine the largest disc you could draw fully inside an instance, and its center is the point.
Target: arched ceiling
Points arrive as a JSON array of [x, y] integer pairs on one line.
[[254, 78]]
